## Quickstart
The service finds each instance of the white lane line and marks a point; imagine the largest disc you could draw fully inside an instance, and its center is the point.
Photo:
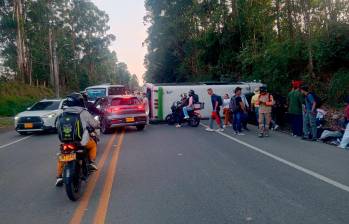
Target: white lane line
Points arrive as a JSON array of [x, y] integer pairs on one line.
[[14, 142], [288, 163]]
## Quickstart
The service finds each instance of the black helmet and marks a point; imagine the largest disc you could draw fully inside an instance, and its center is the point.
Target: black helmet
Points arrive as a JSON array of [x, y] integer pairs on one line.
[[191, 92], [75, 100], [263, 89]]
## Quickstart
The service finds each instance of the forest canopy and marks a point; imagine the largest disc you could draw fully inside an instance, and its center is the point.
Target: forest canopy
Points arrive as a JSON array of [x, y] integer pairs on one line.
[[60, 43], [274, 41]]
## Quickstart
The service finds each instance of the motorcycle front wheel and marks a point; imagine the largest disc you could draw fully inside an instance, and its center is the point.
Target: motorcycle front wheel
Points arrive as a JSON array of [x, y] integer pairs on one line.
[[72, 181], [170, 119]]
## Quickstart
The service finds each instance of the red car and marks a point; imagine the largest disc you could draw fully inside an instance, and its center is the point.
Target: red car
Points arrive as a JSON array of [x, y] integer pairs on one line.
[[120, 111]]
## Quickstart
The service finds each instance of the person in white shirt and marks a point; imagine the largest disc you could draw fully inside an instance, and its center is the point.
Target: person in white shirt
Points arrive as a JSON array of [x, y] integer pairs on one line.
[[226, 111]]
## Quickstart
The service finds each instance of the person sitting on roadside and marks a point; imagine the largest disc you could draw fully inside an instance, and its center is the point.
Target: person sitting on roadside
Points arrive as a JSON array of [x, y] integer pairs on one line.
[[237, 107], [190, 105], [226, 110], [345, 139], [265, 102], [309, 117], [254, 106], [216, 105], [295, 101]]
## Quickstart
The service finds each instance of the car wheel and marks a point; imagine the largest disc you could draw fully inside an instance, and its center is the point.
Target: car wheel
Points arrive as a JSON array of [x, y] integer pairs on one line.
[[140, 127], [104, 127]]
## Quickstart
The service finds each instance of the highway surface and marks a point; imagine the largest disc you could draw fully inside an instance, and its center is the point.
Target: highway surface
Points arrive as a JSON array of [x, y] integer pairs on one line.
[[168, 175]]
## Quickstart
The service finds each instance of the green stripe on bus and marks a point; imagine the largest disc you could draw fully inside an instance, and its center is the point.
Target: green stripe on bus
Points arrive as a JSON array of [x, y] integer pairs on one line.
[[160, 103]]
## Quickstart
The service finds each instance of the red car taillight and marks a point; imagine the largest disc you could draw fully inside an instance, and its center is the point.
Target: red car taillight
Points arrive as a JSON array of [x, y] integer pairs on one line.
[[112, 110]]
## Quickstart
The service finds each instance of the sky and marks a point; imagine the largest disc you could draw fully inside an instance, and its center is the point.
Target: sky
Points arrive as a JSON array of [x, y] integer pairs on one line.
[[126, 23]]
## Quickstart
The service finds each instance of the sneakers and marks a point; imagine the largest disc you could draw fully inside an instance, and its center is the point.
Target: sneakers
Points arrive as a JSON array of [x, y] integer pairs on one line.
[[260, 135], [209, 129], [220, 129], [92, 166], [186, 118], [224, 126], [240, 134], [59, 182], [178, 126]]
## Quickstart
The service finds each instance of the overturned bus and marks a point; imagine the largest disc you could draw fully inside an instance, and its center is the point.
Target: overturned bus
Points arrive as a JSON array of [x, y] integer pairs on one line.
[[162, 96]]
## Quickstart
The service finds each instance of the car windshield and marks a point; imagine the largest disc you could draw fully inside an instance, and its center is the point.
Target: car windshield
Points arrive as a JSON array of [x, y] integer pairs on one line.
[[119, 90], [125, 101], [94, 93], [46, 105]]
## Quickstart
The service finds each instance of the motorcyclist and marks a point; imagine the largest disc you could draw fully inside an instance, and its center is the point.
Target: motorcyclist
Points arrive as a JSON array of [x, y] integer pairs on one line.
[[190, 105], [75, 104]]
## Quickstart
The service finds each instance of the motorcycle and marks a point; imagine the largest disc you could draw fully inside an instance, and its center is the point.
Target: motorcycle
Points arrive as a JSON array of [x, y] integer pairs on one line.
[[177, 111], [76, 168]]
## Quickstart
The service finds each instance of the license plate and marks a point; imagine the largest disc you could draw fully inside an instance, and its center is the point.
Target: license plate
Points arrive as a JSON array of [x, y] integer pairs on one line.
[[130, 119], [67, 157], [28, 125]]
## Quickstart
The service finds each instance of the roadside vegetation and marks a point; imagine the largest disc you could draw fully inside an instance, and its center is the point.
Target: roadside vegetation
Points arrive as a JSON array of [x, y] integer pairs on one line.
[[272, 41], [16, 97]]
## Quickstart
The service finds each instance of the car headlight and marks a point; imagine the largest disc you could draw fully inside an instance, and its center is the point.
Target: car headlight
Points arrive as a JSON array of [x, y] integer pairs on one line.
[[16, 118], [49, 115]]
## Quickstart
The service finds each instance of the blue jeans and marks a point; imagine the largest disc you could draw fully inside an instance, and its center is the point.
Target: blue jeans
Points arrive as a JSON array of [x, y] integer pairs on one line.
[[237, 121], [185, 111], [256, 111], [309, 125]]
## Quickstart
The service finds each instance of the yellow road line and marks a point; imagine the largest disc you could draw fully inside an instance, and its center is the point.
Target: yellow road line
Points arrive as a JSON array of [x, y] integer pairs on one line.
[[80, 210], [102, 209]]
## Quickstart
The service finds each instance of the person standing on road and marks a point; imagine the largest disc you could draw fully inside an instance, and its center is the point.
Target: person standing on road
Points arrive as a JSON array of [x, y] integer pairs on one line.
[[295, 102], [226, 110], [145, 103], [237, 107], [265, 102], [255, 106], [216, 103], [309, 118], [244, 118]]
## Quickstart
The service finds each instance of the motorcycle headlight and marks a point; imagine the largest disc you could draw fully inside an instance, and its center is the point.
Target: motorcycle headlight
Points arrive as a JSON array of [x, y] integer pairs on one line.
[[51, 115]]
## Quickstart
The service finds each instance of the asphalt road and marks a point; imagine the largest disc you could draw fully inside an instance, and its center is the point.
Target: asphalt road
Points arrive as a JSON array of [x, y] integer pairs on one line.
[[167, 175]]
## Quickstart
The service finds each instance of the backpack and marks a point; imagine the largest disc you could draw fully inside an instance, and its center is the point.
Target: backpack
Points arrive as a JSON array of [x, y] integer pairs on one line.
[[195, 98], [317, 100], [220, 101], [70, 127], [232, 105]]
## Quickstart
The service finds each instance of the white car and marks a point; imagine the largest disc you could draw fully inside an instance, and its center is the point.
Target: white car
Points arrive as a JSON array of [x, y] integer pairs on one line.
[[42, 116]]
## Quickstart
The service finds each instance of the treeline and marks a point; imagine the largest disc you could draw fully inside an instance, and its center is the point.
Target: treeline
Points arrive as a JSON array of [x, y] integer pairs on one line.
[[274, 41], [62, 43]]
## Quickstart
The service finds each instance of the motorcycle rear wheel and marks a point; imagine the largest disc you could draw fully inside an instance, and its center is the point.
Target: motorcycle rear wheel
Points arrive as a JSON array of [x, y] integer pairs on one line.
[[72, 181], [194, 121]]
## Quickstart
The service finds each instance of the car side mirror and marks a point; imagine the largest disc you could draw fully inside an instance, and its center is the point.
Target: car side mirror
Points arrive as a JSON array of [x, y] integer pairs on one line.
[[28, 108]]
